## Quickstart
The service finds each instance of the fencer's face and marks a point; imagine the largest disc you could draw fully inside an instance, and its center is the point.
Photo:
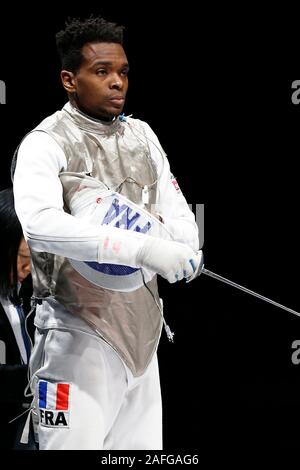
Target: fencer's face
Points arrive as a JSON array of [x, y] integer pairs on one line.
[[23, 261], [100, 85]]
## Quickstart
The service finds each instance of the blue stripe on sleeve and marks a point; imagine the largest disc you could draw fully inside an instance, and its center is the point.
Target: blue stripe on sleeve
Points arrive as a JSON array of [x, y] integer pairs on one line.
[[42, 394]]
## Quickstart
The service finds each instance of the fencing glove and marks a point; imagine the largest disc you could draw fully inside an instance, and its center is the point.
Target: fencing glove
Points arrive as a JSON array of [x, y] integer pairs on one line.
[[172, 260]]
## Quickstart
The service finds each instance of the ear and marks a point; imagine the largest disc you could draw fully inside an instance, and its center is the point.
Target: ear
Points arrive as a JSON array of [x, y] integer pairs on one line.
[[68, 81]]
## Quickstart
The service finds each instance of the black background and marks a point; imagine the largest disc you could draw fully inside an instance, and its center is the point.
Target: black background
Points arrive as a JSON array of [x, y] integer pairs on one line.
[[210, 85]]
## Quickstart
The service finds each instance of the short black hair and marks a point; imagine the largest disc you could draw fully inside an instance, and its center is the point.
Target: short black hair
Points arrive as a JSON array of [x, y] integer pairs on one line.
[[10, 238], [77, 33]]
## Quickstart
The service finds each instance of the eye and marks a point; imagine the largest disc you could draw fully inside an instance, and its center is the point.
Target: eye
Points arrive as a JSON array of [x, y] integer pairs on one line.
[[101, 72], [124, 72]]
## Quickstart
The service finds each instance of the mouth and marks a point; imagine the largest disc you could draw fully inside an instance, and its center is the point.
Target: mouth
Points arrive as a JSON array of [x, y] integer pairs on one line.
[[21, 278], [117, 100]]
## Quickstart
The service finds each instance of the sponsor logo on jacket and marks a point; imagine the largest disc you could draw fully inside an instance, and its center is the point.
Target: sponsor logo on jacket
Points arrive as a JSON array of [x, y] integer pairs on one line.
[[122, 216]]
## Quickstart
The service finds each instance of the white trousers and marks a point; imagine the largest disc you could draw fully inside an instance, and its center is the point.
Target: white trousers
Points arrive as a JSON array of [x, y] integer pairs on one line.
[[85, 397]]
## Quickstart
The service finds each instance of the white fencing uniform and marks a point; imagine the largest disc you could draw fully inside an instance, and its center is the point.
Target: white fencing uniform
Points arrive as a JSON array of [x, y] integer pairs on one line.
[[107, 407], [57, 162]]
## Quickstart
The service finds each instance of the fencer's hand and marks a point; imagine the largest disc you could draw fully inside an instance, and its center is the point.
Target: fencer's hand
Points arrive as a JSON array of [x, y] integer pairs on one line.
[[172, 260]]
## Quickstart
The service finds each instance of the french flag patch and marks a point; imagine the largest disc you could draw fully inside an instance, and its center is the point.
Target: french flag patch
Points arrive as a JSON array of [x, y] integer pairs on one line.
[[54, 402]]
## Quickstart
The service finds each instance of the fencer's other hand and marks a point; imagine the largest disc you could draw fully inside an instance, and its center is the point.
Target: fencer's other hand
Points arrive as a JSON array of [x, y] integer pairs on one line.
[[172, 260]]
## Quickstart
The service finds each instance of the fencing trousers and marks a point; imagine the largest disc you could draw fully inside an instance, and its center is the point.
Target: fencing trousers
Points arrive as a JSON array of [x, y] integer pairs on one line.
[[85, 397]]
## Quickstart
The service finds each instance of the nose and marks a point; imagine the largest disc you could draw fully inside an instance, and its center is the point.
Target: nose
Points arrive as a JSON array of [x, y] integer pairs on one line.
[[116, 82], [26, 268]]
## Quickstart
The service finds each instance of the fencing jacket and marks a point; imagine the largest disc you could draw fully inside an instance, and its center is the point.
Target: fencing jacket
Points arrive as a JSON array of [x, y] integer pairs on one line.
[[124, 155]]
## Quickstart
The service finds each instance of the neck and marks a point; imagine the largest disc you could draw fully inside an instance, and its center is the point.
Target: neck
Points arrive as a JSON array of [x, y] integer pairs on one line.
[[94, 118]]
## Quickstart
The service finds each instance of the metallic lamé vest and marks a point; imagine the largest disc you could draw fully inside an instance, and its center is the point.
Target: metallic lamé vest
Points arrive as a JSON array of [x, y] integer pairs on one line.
[[118, 155]]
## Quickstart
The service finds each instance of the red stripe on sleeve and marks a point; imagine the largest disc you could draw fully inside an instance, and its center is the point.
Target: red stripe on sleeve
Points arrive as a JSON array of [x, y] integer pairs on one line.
[[62, 396]]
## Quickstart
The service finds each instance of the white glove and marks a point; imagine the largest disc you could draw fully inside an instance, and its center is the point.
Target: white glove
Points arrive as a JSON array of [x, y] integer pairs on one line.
[[172, 260]]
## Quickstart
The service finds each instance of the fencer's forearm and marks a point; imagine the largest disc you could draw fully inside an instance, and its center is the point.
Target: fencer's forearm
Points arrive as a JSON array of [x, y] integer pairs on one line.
[[62, 234]]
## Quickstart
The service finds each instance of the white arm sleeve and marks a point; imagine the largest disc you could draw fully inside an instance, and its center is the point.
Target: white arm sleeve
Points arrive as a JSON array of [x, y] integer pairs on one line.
[[171, 204], [39, 205]]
